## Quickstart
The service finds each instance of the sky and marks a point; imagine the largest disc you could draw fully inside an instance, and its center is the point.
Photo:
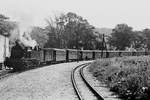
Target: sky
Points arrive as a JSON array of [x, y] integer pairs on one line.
[[99, 13]]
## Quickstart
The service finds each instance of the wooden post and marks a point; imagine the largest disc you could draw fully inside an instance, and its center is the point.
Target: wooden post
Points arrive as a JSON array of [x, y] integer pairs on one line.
[[93, 55], [3, 66], [81, 55], [44, 55], [67, 55], [102, 46], [54, 55]]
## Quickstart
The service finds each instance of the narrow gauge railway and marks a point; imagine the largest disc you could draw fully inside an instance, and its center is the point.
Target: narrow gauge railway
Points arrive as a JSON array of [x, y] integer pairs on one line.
[[52, 55], [81, 86], [22, 58]]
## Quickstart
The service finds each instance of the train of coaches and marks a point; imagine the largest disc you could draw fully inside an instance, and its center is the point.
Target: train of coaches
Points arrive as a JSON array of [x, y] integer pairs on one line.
[[22, 58]]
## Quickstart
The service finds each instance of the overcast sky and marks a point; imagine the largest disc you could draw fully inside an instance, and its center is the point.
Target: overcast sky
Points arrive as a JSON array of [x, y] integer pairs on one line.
[[100, 13]]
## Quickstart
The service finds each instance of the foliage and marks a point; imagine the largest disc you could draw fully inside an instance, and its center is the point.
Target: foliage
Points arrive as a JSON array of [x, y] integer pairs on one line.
[[123, 36], [120, 37], [146, 33], [73, 31], [6, 26], [138, 40], [40, 35], [55, 31], [70, 31], [128, 77]]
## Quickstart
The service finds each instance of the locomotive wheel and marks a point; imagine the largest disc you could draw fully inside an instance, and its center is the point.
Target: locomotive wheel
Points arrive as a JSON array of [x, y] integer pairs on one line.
[[18, 65]]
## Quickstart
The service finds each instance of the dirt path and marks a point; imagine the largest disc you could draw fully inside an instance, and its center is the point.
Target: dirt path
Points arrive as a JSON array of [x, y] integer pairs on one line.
[[47, 83]]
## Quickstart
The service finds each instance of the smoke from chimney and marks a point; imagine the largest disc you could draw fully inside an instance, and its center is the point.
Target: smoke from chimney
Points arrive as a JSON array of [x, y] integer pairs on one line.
[[24, 21], [22, 34], [26, 40]]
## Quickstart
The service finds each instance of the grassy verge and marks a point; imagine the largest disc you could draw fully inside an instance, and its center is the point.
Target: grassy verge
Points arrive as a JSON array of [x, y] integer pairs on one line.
[[127, 76]]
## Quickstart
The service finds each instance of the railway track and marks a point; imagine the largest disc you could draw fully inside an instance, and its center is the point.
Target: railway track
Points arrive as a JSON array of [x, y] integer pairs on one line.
[[81, 86], [5, 74]]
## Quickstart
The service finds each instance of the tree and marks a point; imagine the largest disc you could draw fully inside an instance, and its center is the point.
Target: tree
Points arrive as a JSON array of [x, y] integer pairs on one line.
[[146, 33], [6, 26], [99, 40], [138, 40], [55, 30], [121, 36], [70, 31], [39, 35]]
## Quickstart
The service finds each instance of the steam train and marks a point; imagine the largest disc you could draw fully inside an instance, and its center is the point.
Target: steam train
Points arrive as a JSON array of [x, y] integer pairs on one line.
[[23, 58]]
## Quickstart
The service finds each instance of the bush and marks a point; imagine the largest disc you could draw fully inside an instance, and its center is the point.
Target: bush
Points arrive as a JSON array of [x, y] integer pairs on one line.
[[128, 77]]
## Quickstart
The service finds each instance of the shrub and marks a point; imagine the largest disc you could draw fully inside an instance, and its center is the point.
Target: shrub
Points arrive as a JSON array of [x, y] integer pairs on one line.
[[129, 77]]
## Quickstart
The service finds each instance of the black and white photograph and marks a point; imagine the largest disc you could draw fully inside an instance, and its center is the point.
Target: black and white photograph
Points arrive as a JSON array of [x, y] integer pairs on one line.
[[74, 50]]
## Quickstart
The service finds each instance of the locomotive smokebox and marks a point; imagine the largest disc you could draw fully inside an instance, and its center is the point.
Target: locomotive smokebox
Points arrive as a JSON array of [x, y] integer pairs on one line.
[[17, 51]]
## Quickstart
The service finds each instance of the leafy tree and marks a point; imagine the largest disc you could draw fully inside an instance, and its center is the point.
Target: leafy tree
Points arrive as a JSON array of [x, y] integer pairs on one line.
[[6, 26], [99, 43], [121, 36], [70, 31], [40, 35], [55, 29], [138, 40], [146, 33]]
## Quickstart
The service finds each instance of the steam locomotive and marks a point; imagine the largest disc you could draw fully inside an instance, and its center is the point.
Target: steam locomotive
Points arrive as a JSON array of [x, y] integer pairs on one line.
[[20, 58], [23, 58]]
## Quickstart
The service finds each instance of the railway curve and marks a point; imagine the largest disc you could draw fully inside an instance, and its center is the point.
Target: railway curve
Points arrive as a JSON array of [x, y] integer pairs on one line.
[[83, 89]]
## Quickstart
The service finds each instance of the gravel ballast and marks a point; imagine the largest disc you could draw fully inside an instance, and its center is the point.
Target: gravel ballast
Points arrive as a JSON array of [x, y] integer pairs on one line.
[[99, 87], [46, 83]]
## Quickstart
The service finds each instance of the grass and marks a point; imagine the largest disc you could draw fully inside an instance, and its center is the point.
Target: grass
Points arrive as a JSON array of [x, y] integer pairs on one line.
[[127, 76]]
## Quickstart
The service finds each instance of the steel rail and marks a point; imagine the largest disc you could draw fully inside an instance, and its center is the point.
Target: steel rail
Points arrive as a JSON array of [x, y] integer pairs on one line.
[[78, 93], [74, 82], [89, 86]]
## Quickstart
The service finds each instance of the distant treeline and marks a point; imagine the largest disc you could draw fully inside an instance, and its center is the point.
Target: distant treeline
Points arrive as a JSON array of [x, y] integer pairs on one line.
[[74, 32]]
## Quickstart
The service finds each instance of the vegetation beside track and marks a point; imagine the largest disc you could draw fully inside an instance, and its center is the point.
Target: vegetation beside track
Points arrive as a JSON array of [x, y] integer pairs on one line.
[[127, 76]]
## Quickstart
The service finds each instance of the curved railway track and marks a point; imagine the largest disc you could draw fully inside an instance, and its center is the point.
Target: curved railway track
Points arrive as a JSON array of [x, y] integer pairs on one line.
[[81, 86]]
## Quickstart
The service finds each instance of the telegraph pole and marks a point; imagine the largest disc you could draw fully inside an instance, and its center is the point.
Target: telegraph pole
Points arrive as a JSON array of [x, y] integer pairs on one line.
[[4, 56], [104, 47], [77, 46]]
